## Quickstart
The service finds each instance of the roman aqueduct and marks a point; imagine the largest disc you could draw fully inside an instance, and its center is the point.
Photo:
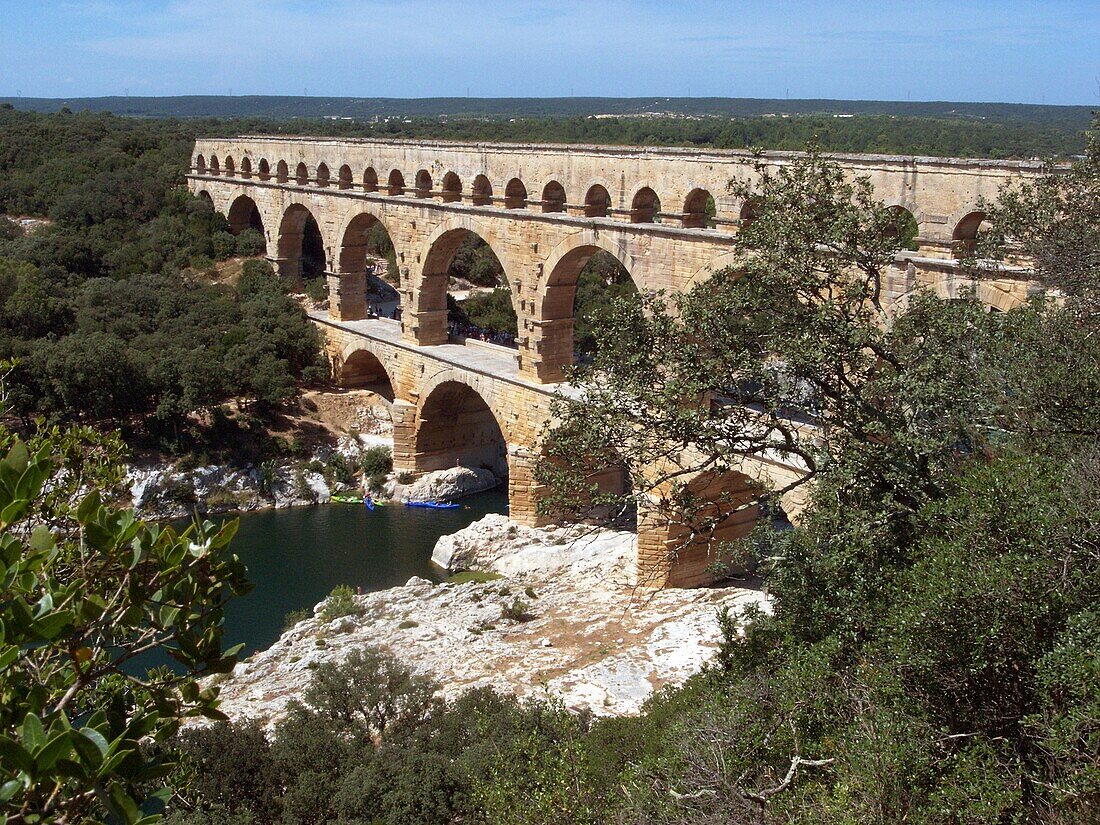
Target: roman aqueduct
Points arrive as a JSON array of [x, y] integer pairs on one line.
[[544, 211]]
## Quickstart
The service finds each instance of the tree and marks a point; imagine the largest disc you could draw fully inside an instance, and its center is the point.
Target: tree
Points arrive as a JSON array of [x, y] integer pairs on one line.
[[87, 591]]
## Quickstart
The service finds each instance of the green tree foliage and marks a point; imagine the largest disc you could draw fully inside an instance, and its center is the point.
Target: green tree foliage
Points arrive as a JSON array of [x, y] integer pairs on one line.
[[933, 650], [85, 590], [100, 306], [601, 282]]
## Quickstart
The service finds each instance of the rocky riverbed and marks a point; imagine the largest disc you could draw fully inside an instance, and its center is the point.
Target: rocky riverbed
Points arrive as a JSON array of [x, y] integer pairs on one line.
[[563, 619]]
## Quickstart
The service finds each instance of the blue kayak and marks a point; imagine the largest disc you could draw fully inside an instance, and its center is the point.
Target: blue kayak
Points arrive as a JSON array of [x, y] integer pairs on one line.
[[435, 505]]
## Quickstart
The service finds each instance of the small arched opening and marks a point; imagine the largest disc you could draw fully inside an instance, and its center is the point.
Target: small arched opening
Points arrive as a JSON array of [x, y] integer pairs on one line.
[[423, 184], [282, 172], [215, 166], [263, 169], [362, 370], [244, 214], [396, 183], [455, 426], [452, 188], [323, 174], [597, 202], [646, 206], [246, 168], [482, 193], [301, 174], [345, 177], [230, 166], [515, 194], [200, 165], [370, 179], [749, 210], [553, 197], [301, 247], [700, 210], [901, 225], [965, 234]]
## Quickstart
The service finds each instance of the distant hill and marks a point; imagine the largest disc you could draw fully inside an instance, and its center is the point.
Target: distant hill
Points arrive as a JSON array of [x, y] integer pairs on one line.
[[278, 107]]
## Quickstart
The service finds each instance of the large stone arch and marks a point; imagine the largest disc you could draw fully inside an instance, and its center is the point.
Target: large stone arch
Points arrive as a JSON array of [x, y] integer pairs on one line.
[[294, 243], [348, 281], [457, 422], [428, 294], [362, 363], [553, 312], [245, 214]]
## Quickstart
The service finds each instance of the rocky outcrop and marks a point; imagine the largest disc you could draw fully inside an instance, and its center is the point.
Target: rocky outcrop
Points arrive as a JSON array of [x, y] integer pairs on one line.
[[564, 619], [448, 485], [165, 491]]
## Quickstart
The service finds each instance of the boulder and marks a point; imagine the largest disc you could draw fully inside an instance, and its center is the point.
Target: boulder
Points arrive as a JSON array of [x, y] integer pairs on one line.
[[449, 484]]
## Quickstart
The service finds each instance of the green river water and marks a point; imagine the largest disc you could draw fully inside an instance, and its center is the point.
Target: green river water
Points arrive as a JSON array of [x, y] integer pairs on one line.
[[297, 555]]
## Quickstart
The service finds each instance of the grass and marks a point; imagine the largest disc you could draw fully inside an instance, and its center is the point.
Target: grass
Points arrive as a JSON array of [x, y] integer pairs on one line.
[[475, 576]]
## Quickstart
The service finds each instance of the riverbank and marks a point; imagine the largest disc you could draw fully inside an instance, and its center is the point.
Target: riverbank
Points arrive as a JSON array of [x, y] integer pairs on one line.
[[562, 617]]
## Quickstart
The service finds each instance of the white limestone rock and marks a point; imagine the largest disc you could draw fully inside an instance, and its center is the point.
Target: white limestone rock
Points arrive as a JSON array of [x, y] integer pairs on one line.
[[449, 484]]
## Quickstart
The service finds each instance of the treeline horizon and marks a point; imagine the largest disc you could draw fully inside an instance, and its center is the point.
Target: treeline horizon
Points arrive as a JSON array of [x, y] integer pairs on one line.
[[993, 130]]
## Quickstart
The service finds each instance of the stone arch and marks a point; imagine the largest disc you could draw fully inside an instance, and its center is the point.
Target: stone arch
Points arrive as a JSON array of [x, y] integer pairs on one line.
[[966, 227], [452, 188], [301, 251], [323, 174], [681, 538], [200, 165], [244, 214], [348, 290], [482, 192], [301, 174], [557, 290], [438, 252], [206, 196], [515, 194], [370, 179], [282, 172], [360, 366], [396, 183], [246, 168], [230, 167], [423, 184], [344, 177], [698, 209], [903, 225], [597, 201], [264, 169], [645, 207], [456, 423], [553, 197], [215, 167], [750, 208]]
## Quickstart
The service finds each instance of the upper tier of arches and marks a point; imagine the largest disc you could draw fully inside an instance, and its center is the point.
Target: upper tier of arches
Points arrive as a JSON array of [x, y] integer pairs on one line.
[[641, 204]]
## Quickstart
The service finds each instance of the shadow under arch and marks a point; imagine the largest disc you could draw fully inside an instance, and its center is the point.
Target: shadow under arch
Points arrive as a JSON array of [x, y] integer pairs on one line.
[[244, 214], [455, 425], [359, 368], [301, 247]]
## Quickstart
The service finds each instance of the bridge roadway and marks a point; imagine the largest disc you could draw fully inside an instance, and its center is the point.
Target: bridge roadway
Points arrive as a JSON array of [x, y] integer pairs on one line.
[[468, 403]]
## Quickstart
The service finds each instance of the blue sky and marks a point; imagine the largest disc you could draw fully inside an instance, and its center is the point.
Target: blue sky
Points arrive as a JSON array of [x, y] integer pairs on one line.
[[970, 50]]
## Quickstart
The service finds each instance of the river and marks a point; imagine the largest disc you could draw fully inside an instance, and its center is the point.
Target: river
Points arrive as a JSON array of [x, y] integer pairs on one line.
[[295, 556]]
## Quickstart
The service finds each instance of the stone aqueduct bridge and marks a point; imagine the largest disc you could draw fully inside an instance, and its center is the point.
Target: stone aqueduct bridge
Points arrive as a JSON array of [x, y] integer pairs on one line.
[[544, 211]]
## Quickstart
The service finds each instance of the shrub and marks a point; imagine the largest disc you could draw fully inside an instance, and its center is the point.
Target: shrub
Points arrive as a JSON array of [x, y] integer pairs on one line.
[[293, 617], [405, 477], [376, 461], [337, 470], [251, 243], [340, 602], [516, 611]]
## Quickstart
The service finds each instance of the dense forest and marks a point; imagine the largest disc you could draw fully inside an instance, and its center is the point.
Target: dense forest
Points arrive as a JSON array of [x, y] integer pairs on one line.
[[109, 308]]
